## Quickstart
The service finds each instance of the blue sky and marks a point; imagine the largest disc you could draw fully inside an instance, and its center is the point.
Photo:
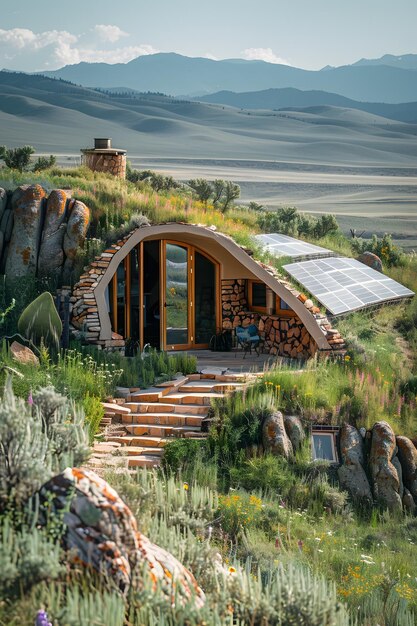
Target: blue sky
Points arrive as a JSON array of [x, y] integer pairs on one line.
[[47, 34]]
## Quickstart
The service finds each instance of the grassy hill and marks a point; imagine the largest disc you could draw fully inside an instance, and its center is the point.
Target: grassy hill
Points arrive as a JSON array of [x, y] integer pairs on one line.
[[295, 98], [59, 117]]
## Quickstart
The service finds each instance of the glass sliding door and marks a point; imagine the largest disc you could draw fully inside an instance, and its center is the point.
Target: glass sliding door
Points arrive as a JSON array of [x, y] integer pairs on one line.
[[177, 296], [204, 299]]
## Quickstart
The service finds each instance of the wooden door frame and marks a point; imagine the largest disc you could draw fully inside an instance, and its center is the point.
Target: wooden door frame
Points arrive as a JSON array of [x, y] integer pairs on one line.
[[191, 251]]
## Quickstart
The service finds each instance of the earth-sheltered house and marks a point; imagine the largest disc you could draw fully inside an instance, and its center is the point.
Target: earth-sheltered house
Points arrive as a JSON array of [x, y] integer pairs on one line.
[[173, 286]]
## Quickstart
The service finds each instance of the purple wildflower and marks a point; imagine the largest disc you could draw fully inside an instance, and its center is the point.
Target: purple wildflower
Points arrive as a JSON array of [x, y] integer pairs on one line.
[[30, 398], [42, 619]]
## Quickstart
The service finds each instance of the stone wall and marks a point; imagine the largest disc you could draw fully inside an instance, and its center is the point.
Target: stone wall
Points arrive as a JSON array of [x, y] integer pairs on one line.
[[40, 235], [285, 336], [109, 163]]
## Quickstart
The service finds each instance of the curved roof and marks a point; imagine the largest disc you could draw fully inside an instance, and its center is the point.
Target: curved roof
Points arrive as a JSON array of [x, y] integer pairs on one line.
[[221, 246]]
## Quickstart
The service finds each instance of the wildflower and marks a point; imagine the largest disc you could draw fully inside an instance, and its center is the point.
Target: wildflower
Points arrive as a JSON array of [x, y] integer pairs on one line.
[[42, 619], [232, 570], [300, 545], [185, 485], [347, 358], [30, 399], [277, 543]]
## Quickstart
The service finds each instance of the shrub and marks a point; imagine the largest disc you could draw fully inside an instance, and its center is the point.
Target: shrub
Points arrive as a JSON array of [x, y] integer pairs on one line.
[[37, 437], [389, 253], [94, 413], [44, 163], [16, 158]]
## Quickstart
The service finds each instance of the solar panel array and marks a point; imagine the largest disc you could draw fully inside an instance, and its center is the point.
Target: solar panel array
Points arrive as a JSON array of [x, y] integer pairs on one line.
[[343, 284], [283, 245]]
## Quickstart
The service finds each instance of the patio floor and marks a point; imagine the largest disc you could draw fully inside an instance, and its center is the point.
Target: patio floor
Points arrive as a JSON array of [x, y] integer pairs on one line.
[[233, 361]]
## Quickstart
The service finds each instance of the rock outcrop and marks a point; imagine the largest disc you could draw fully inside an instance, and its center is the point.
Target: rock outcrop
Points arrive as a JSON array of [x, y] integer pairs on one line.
[[101, 532], [40, 235], [23, 354], [23, 250], [51, 254], [352, 473], [274, 436], [76, 231], [294, 430], [386, 481], [407, 455]]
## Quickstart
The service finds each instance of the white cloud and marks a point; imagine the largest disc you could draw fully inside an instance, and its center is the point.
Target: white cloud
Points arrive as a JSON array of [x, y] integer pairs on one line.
[[23, 49], [23, 38], [263, 54], [107, 32]]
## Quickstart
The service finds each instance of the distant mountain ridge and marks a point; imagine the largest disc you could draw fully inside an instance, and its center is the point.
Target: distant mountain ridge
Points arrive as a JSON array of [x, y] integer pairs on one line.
[[289, 98], [179, 75], [403, 61]]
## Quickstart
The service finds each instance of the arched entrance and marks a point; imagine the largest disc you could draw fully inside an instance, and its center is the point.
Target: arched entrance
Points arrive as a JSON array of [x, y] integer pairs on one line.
[[165, 293]]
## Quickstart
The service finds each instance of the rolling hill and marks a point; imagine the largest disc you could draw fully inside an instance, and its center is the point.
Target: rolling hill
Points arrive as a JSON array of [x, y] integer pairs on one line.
[[179, 75], [57, 116], [295, 98]]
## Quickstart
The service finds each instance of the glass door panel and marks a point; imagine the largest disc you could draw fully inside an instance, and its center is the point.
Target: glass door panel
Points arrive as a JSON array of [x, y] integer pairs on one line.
[[176, 295], [204, 299]]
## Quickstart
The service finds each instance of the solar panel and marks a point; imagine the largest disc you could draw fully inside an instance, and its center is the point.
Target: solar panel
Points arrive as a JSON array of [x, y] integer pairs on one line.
[[283, 245], [343, 284]]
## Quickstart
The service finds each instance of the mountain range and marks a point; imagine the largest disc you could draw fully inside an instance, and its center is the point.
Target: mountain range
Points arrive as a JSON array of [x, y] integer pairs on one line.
[[179, 75]]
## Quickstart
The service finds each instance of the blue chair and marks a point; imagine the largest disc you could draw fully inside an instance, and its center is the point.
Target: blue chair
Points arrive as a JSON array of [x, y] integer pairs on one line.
[[248, 338]]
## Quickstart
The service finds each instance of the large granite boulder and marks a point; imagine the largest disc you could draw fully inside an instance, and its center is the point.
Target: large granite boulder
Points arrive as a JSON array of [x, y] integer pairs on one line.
[[371, 260], [101, 532], [274, 436], [352, 475], [385, 480], [407, 454], [294, 430], [22, 255], [75, 234], [51, 253]]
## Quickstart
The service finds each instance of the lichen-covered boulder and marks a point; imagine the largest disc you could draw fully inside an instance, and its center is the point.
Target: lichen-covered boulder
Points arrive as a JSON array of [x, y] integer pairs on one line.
[[396, 463], [23, 354], [76, 231], [101, 532], [294, 430], [352, 475], [371, 260], [407, 454], [51, 253], [274, 436], [22, 255], [385, 480]]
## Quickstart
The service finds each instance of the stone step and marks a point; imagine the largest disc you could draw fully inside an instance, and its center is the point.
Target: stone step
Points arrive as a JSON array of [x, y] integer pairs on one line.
[[213, 387], [203, 399], [159, 430], [143, 460], [145, 441], [145, 396], [164, 407], [138, 450], [174, 419]]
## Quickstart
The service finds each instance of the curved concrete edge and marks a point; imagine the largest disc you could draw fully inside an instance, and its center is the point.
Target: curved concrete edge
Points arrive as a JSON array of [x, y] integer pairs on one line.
[[170, 231]]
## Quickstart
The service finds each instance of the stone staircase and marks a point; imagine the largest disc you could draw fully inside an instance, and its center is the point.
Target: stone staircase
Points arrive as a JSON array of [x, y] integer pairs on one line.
[[146, 420]]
